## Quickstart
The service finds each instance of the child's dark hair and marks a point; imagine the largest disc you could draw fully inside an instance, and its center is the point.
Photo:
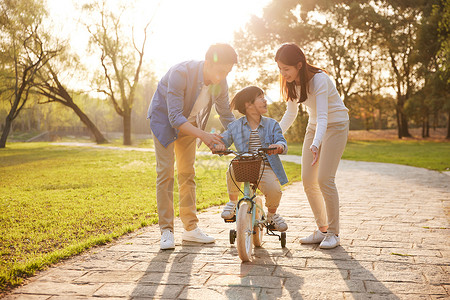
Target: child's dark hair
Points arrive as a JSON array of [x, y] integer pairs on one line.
[[222, 54], [246, 95]]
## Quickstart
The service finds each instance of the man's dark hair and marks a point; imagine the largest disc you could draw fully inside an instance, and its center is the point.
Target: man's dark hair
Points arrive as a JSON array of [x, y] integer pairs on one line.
[[245, 95], [222, 54]]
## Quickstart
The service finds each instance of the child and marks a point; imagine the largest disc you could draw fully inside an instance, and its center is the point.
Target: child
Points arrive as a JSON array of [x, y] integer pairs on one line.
[[249, 133]]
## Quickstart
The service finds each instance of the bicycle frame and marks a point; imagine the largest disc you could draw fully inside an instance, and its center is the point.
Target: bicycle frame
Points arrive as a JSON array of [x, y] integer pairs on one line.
[[249, 195]]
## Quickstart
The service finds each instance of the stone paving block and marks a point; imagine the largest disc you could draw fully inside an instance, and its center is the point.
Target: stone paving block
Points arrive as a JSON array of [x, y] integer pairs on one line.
[[245, 281], [110, 276], [26, 297], [408, 288], [58, 288], [195, 293], [138, 291], [327, 283]]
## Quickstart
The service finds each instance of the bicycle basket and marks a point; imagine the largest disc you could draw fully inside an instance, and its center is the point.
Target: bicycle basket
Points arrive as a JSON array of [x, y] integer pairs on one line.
[[246, 169]]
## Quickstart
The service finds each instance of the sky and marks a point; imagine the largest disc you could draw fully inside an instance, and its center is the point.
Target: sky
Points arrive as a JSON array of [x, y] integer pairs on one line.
[[180, 29]]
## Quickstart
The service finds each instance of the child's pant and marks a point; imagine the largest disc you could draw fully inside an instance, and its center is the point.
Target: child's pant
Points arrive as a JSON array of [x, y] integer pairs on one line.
[[269, 186], [318, 180]]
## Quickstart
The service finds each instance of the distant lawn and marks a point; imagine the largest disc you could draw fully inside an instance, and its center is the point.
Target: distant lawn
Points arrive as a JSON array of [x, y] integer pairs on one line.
[[423, 154], [56, 201]]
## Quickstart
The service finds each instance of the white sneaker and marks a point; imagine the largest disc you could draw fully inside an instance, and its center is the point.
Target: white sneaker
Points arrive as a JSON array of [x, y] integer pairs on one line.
[[277, 221], [229, 211], [316, 237], [197, 236], [167, 240], [330, 241]]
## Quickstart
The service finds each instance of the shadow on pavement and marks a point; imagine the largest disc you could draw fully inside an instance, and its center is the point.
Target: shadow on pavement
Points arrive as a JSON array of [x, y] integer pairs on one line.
[[166, 275], [263, 278], [352, 270]]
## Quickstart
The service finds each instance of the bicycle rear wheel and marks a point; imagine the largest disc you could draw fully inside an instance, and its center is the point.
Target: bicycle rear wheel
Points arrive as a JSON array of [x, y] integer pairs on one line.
[[259, 232], [244, 228]]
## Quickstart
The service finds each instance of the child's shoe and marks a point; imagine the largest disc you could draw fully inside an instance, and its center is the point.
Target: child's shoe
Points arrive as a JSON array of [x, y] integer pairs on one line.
[[229, 211], [277, 221]]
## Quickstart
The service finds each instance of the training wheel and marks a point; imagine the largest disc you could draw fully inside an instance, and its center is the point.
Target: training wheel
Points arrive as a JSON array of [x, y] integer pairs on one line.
[[283, 239], [232, 236]]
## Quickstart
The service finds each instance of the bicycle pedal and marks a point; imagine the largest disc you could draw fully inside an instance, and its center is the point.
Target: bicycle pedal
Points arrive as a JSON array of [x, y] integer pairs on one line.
[[232, 220]]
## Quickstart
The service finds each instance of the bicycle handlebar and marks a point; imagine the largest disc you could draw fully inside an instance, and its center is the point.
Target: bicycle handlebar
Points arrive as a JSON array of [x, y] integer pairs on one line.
[[226, 152]]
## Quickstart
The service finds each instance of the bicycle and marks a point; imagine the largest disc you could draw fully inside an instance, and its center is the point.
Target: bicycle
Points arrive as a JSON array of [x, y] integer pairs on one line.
[[249, 217]]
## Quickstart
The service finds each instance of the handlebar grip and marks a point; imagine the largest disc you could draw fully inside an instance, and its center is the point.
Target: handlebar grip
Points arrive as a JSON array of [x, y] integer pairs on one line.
[[267, 149], [223, 152]]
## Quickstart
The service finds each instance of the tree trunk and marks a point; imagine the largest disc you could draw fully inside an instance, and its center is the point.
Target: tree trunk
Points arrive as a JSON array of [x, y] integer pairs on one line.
[[6, 130], [127, 127], [404, 120], [99, 138], [448, 126], [399, 123]]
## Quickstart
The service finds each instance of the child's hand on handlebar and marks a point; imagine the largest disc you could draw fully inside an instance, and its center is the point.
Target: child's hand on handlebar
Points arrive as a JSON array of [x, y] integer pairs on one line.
[[279, 149]]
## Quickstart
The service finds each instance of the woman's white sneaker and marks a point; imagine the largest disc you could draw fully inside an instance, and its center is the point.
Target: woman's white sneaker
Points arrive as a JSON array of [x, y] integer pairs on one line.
[[167, 240], [330, 241], [315, 238]]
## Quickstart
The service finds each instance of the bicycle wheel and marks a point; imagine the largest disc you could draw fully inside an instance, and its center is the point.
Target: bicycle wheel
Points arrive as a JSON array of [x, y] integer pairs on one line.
[[259, 232], [244, 228]]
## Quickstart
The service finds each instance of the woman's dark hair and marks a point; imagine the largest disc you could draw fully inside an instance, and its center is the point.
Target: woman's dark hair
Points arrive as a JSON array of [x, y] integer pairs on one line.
[[222, 54], [290, 54], [246, 95]]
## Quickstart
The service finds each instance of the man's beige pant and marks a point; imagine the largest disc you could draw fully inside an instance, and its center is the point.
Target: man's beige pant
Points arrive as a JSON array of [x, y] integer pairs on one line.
[[184, 150], [318, 180], [269, 186]]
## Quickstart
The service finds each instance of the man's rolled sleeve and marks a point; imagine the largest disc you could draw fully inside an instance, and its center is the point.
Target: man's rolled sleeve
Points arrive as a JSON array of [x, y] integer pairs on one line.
[[175, 98]]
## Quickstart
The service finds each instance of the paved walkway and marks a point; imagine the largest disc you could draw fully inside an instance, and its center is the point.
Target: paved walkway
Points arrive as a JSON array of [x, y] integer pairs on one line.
[[395, 245]]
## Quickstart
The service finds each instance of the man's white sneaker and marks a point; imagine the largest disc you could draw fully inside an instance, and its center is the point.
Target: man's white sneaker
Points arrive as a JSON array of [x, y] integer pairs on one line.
[[167, 240], [330, 241], [316, 237], [197, 236], [277, 221], [228, 211]]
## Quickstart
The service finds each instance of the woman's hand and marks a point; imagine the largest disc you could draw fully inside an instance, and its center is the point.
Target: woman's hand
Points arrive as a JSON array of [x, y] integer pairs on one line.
[[315, 152], [279, 149]]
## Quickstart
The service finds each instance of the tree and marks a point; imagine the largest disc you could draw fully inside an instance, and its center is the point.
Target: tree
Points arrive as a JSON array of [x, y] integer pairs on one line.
[[121, 65], [324, 29], [50, 86], [24, 53]]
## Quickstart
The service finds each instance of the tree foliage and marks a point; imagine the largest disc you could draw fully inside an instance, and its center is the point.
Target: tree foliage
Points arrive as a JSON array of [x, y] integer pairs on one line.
[[372, 50]]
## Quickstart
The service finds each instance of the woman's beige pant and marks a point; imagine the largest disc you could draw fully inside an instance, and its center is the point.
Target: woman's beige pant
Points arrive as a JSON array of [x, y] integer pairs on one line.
[[318, 180], [184, 149]]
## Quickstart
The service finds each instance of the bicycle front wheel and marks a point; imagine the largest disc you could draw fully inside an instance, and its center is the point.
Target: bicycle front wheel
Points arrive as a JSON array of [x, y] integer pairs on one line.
[[244, 228], [259, 232]]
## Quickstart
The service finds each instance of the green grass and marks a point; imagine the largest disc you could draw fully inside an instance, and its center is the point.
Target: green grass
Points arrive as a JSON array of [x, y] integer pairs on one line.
[[56, 201], [423, 154]]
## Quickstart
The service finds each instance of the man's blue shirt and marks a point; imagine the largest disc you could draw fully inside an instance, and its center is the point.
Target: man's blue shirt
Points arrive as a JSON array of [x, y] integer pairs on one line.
[[175, 97], [269, 132]]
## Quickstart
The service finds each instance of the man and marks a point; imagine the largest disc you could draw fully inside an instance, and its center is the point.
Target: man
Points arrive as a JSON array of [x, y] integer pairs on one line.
[[178, 114]]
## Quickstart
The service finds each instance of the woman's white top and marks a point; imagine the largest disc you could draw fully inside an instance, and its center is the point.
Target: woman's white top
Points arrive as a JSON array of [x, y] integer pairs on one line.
[[323, 106]]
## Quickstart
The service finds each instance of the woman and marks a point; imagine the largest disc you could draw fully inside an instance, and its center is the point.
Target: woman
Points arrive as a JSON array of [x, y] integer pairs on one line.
[[325, 138]]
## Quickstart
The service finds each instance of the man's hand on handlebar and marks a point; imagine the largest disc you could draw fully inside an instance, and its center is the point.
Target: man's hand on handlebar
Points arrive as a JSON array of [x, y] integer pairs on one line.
[[218, 147]]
